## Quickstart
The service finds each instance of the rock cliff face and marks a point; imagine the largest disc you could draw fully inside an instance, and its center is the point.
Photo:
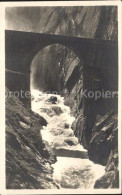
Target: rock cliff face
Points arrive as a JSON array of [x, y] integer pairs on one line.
[[28, 163], [57, 68], [103, 149], [90, 22], [98, 135]]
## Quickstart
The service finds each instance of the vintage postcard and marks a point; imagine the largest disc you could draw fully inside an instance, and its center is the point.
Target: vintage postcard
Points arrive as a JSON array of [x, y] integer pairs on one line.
[[60, 97]]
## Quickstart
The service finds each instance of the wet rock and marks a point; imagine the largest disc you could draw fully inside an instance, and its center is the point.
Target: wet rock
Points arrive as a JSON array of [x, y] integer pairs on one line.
[[66, 125], [71, 141], [24, 125], [24, 119], [53, 99], [57, 132], [58, 143], [47, 110], [41, 120], [57, 110]]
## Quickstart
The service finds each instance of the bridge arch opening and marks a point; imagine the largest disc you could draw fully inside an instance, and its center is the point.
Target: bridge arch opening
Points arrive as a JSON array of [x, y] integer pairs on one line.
[[53, 68]]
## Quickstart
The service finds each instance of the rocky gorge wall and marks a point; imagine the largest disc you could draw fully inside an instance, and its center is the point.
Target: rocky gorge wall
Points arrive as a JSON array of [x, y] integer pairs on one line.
[[96, 123], [28, 163], [83, 21], [57, 68]]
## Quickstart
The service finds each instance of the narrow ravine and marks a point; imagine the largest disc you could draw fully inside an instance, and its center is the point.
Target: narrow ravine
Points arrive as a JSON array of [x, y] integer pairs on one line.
[[72, 169]]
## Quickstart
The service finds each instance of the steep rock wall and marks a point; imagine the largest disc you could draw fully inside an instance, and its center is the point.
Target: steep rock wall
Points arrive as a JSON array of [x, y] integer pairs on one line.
[[104, 149], [88, 22], [101, 23], [28, 163]]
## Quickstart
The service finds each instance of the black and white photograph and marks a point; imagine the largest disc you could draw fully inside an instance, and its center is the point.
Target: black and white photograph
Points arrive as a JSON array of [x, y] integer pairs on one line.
[[62, 97]]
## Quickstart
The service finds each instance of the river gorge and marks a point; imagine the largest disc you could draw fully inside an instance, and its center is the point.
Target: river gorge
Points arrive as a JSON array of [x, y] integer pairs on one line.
[[58, 138], [72, 169]]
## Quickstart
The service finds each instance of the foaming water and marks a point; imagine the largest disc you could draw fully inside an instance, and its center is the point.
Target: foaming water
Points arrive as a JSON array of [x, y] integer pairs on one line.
[[76, 173], [73, 169]]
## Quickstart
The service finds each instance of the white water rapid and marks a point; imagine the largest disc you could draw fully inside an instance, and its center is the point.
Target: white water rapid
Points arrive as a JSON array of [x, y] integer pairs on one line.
[[73, 169]]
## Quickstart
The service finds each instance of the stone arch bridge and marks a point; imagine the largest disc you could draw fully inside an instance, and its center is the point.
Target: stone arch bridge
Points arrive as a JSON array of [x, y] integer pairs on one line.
[[95, 54]]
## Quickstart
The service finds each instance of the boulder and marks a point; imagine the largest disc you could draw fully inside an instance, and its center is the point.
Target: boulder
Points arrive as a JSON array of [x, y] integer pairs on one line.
[[24, 125], [53, 99], [66, 126], [57, 110], [71, 141], [40, 119]]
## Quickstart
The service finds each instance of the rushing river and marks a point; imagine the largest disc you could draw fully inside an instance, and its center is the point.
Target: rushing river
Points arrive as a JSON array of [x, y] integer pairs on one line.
[[73, 169]]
